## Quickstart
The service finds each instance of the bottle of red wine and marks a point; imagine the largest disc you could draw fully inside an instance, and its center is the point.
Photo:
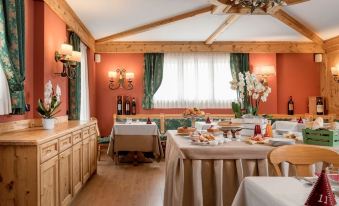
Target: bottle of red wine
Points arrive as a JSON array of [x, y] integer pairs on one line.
[[290, 106], [320, 106], [119, 105], [134, 107], [127, 106]]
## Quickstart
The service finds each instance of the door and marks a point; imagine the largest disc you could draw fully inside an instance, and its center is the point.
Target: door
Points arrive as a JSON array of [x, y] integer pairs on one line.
[[93, 153], [85, 160], [77, 167], [49, 182], [65, 177]]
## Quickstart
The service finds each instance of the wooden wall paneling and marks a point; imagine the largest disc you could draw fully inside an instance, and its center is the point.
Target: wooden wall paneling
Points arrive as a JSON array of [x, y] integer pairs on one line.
[[64, 11], [246, 47]]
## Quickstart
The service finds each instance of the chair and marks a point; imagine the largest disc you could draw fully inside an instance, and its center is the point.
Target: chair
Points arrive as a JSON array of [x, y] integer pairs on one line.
[[102, 142], [302, 157]]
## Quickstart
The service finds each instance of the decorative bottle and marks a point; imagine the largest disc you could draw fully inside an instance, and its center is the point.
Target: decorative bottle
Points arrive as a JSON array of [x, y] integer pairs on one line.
[[134, 107], [290, 106], [119, 105], [127, 106], [320, 106]]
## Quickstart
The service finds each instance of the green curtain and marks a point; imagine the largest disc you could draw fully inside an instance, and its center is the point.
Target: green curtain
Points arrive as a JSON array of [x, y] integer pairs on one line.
[[74, 85], [154, 64], [240, 63], [12, 50]]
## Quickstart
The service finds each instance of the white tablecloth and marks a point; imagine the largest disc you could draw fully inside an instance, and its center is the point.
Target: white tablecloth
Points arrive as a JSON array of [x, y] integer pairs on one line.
[[268, 191], [204, 125], [135, 128], [288, 126], [137, 136]]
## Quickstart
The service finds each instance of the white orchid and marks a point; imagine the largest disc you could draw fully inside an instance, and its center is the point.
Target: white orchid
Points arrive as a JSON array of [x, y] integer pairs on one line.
[[47, 108], [255, 89]]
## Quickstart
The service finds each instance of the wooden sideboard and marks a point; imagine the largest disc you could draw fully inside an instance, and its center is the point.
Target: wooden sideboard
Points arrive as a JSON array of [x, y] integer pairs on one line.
[[47, 167]]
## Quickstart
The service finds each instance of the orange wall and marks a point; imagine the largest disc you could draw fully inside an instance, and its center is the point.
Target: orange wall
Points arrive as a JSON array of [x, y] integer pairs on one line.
[[106, 98], [45, 31], [299, 77]]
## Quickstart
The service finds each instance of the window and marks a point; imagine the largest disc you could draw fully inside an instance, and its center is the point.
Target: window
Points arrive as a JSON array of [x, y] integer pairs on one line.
[[195, 80], [84, 102], [5, 98]]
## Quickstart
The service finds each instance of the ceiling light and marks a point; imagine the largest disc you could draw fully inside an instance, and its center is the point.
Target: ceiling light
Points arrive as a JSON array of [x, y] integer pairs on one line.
[[254, 4]]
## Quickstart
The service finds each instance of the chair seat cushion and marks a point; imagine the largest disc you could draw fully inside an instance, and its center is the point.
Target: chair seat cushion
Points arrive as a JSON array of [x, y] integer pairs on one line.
[[103, 140]]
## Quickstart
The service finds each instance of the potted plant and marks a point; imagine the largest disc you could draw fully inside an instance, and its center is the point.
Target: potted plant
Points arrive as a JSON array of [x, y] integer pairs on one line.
[[250, 92], [47, 109]]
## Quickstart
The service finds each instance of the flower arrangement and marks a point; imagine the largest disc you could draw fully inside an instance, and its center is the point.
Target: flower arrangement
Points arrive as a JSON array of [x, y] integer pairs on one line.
[[250, 92], [48, 108]]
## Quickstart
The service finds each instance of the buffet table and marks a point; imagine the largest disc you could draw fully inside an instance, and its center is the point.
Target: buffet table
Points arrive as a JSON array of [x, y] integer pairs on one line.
[[135, 137], [267, 191], [209, 175]]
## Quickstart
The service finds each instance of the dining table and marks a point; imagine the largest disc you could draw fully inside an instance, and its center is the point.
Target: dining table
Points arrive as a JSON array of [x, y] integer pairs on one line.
[[135, 138], [209, 175], [277, 191]]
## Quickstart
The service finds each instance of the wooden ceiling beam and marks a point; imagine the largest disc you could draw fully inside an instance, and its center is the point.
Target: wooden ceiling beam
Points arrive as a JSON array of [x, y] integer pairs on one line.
[[332, 45], [244, 47], [297, 26], [155, 24], [227, 23]]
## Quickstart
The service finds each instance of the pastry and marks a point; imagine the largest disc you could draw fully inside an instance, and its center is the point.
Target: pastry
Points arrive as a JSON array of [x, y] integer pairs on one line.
[[193, 112], [213, 129], [185, 130]]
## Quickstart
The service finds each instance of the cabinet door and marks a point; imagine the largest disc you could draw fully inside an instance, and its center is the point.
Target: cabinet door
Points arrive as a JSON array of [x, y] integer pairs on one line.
[[65, 177], [77, 167], [49, 183], [93, 153], [85, 160]]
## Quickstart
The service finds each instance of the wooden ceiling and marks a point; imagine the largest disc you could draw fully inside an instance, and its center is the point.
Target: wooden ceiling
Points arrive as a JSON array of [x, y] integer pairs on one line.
[[216, 7]]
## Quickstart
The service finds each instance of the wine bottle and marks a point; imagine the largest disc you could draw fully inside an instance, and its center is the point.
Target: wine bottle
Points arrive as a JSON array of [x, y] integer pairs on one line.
[[320, 106], [290, 106], [127, 106], [119, 105], [134, 107]]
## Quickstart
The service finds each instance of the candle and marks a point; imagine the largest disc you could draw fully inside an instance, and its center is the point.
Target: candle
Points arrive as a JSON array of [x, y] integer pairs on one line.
[[112, 74], [66, 49], [129, 75]]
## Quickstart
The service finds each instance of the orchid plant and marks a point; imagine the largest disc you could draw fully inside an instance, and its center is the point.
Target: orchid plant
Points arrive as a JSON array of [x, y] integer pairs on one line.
[[47, 109], [251, 90]]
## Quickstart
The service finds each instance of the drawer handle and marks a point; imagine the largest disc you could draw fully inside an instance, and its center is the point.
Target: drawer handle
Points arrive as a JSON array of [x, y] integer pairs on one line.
[[48, 151], [64, 143]]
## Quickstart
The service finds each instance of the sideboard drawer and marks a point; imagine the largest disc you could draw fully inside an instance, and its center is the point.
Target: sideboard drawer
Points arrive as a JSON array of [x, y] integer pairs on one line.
[[92, 129], [48, 150], [85, 133], [65, 142], [77, 136]]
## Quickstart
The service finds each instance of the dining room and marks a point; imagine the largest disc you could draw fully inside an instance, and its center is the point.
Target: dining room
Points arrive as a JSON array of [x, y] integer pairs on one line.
[[173, 103]]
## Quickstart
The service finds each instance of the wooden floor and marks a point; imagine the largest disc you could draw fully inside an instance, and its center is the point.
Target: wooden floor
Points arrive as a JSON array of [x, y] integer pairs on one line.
[[124, 185]]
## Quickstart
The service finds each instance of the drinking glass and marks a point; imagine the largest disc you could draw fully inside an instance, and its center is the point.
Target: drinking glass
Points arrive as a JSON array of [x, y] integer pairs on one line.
[[257, 130], [333, 176]]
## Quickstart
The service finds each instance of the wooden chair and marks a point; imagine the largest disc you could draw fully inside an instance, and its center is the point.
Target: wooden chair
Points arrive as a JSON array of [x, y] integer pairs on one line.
[[302, 157], [102, 143]]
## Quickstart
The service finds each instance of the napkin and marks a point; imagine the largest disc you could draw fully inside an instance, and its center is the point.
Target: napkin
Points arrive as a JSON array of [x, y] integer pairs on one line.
[[321, 194], [149, 121]]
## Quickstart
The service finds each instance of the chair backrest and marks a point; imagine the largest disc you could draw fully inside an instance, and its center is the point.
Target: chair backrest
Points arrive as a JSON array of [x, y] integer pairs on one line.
[[302, 157]]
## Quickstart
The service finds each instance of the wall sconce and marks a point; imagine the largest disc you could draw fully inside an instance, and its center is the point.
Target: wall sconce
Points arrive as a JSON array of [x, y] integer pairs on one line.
[[264, 72], [69, 59], [123, 76], [335, 73]]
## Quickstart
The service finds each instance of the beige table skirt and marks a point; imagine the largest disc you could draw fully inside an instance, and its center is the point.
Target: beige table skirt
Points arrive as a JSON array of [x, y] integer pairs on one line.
[[140, 143], [206, 182]]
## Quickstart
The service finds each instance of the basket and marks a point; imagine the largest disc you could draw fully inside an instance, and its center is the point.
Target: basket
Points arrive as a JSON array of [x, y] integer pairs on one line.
[[321, 137]]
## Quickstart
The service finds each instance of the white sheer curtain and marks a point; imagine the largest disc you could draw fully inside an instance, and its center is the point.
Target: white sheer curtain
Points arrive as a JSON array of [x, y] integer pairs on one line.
[[195, 80], [84, 105], [5, 98]]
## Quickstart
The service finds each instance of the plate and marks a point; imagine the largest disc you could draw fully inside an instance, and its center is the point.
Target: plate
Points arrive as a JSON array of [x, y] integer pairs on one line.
[[210, 143], [184, 134]]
